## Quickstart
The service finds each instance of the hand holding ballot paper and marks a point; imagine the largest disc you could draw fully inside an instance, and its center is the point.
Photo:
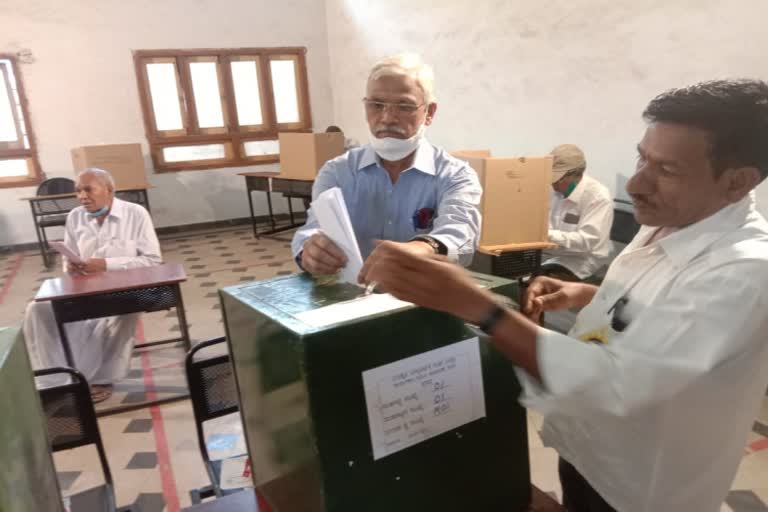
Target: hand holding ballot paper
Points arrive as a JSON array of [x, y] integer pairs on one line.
[[336, 248]]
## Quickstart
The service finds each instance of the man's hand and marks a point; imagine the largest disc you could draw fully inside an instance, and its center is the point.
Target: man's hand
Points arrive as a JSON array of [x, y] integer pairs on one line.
[[406, 271], [320, 256], [547, 294], [90, 266]]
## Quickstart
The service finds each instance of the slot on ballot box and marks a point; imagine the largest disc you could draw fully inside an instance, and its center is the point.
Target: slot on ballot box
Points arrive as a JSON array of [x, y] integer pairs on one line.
[[354, 403]]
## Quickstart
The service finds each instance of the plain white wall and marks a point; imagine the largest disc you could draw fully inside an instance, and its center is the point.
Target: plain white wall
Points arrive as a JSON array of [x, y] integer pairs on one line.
[[519, 77], [82, 86]]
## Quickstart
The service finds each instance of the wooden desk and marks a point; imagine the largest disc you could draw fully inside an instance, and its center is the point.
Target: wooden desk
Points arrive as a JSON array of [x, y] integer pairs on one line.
[[246, 501], [269, 182], [51, 210], [117, 292]]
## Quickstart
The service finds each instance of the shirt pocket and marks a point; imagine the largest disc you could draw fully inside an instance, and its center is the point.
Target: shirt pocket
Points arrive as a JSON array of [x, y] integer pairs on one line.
[[569, 221], [119, 248]]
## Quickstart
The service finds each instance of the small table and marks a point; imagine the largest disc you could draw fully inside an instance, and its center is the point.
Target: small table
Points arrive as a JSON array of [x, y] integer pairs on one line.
[[270, 182], [513, 261], [117, 292], [51, 210], [246, 501]]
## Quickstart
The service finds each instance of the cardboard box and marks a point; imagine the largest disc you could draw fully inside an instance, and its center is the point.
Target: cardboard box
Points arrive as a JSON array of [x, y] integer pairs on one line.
[[303, 154], [515, 203], [124, 162], [312, 395]]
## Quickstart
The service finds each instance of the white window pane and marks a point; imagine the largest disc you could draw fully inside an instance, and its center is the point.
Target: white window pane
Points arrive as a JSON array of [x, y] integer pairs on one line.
[[165, 96], [205, 85], [261, 147], [192, 153], [284, 88], [246, 82], [8, 130], [11, 168]]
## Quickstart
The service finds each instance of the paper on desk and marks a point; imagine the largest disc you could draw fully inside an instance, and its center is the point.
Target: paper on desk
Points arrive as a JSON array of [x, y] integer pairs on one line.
[[236, 473], [65, 251], [420, 397], [351, 309], [333, 217]]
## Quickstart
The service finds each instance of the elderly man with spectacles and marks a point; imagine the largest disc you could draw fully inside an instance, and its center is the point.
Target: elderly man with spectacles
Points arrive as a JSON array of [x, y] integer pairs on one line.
[[399, 188]]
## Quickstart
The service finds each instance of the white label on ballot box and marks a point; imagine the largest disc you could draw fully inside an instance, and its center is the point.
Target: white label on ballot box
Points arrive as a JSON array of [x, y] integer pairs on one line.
[[420, 397]]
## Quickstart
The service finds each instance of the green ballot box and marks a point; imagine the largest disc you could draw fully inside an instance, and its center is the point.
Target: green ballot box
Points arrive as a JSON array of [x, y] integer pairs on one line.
[[27, 477], [357, 403]]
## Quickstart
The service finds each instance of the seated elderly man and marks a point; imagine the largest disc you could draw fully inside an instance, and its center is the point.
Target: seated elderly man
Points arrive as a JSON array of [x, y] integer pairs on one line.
[[399, 187], [107, 234], [580, 218]]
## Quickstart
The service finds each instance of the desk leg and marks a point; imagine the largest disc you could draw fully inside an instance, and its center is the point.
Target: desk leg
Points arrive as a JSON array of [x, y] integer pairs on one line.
[[63, 336], [290, 210], [182, 316], [145, 198], [43, 247], [253, 216], [269, 206]]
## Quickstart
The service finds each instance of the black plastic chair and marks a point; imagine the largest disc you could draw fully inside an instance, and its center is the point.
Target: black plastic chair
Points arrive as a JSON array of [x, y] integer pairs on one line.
[[71, 421], [53, 212], [213, 393]]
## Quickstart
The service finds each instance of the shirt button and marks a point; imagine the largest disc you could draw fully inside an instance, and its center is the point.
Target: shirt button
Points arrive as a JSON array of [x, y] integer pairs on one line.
[[390, 223]]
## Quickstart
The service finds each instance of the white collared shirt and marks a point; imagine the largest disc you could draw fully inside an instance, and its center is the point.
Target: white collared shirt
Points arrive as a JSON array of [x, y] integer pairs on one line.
[[657, 418], [126, 238], [580, 225]]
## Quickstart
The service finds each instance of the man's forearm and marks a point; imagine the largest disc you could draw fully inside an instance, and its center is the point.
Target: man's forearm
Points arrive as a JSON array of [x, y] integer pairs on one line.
[[513, 334]]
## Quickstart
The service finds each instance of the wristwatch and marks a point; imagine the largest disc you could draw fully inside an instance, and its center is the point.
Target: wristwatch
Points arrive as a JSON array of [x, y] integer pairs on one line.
[[436, 245]]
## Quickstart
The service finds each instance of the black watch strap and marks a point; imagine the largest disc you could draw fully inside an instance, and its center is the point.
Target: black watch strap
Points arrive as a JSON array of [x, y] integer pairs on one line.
[[492, 318], [437, 246]]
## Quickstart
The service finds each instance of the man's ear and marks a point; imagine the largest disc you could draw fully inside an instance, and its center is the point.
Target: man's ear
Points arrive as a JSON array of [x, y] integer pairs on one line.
[[740, 181], [431, 109]]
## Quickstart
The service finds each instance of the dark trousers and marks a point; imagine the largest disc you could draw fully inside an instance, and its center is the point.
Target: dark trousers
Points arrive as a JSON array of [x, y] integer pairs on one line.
[[578, 495]]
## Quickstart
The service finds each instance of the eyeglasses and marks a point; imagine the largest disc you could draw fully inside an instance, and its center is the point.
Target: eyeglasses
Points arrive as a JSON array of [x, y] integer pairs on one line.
[[379, 107]]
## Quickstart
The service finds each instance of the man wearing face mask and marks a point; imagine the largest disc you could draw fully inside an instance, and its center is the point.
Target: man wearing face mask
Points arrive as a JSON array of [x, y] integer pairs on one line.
[[107, 234], [399, 188], [580, 218]]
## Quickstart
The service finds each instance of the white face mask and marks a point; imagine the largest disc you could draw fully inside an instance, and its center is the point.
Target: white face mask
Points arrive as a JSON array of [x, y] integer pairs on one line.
[[392, 149]]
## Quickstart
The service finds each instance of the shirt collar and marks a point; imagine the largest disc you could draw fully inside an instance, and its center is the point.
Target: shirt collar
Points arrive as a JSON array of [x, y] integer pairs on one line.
[[684, 245], [424, 160], [116, 210], [575, 195]]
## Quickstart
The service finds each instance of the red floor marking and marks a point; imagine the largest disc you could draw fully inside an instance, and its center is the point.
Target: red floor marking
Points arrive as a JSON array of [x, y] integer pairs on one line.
[[167, 479], [9, 278]]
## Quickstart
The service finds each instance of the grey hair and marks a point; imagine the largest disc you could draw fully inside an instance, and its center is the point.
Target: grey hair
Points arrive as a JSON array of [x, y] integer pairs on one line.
[[407, 64], [101, 175]]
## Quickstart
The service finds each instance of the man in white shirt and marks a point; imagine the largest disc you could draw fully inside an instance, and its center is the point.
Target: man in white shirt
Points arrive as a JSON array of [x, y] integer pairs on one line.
[[107, 234], [650, 397], [580, 218]]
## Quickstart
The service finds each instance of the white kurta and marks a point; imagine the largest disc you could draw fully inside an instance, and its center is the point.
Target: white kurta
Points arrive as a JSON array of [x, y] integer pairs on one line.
[[657, 418], [101, 347], [580, 225]]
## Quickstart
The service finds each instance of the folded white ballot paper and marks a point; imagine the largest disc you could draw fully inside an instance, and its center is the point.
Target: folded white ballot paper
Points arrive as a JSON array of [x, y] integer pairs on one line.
[[65, 251], [333, 217]]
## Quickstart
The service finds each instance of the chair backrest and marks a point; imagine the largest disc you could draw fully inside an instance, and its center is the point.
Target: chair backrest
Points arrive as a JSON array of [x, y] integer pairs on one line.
[[212, 387], [624, 227], [70, 416], [53, 186]]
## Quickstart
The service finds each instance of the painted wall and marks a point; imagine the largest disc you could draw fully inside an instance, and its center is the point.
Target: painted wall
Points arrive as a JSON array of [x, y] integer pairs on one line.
[[519, 77], [82, 86]]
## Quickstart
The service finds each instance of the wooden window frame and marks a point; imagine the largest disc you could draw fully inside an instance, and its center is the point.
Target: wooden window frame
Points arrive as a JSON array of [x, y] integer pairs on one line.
[[11, 151], [232, 135]]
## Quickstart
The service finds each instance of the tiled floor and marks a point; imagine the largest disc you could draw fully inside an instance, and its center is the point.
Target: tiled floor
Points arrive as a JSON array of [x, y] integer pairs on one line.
[[153, 453]]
